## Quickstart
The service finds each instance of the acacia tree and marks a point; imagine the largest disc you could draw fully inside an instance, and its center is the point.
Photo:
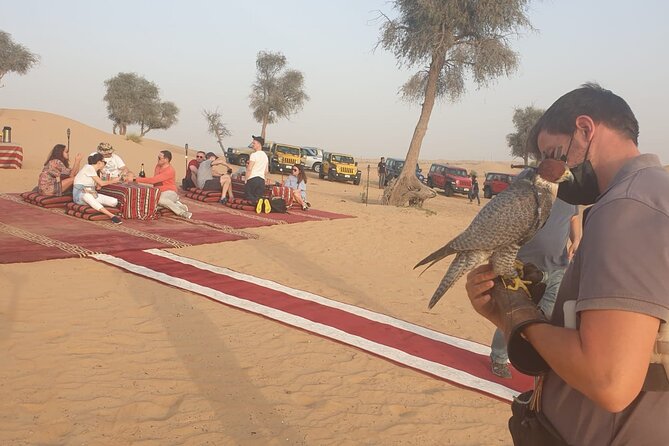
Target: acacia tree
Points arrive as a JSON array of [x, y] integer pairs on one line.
[[277, 92], [216, 126], [523, 119], [14, 57], [160, 116], [450, 38], [131, 99]]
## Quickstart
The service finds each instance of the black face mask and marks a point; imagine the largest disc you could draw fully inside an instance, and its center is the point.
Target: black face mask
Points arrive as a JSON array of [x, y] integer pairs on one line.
[[584, 189]]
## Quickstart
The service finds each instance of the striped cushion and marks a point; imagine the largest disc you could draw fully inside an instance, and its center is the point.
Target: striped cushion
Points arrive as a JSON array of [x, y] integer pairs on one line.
[[86, 209], [97, 216], [240, 203], [46, 201]]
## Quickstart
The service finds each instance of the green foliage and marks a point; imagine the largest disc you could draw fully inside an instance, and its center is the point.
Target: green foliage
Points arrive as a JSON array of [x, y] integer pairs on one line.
[[523, 119], [14, 57], [131, 99], [134, 137], [448, 40], [216, 126], [467, 37], [277, 92]]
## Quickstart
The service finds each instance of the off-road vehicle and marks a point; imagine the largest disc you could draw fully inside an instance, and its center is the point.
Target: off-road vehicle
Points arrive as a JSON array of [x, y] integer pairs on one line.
[[282, 157], [394, 168], [312, 158], [496, 182], [453, 180], [340, 167]]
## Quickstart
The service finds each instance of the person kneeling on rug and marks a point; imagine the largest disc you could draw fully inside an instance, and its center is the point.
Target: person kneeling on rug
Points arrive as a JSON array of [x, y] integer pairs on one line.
[[297, 182], [87, 181], [164, 178], [256, 172]]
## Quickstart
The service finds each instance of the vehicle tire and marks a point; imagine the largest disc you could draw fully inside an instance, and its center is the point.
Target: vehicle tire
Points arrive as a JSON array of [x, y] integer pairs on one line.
[[320, 174], [317, 167], [356, 181], [448, 190], [487, 193], [429, 182], [243, 159]]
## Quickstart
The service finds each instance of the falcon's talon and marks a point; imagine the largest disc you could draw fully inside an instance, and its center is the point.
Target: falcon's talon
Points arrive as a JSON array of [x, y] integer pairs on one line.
[[516, 284]]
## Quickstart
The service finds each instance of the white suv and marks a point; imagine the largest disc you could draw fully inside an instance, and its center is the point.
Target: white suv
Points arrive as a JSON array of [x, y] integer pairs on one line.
[[312, 158]]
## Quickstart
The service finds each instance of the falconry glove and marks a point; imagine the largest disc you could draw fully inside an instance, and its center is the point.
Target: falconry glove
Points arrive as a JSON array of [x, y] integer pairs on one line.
[[517, 310]]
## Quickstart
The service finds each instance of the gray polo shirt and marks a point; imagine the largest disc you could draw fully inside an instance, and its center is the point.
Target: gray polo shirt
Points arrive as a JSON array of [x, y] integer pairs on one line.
[[204, 173], [622, 263]]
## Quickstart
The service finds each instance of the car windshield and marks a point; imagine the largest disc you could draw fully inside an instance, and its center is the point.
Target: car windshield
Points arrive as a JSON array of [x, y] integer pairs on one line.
[[342, 159], [291, 150], [458, 172]]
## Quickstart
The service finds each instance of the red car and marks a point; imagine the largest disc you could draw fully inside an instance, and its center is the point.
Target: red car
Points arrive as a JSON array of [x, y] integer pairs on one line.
[[495, 183], [453, 180]]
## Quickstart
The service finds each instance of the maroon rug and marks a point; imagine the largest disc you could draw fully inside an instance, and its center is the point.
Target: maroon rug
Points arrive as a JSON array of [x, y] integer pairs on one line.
[[29, 233]]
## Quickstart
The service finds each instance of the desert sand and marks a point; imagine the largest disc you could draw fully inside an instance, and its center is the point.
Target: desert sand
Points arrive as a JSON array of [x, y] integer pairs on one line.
[[93, 355]]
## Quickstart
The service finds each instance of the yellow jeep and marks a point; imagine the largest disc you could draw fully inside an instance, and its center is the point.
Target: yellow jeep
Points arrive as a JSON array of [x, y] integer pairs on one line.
[[282, 157], [340, 167]]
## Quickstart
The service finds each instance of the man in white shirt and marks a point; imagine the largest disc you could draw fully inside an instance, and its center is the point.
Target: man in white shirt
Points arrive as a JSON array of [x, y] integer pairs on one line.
[[256, 172], [114, 167]]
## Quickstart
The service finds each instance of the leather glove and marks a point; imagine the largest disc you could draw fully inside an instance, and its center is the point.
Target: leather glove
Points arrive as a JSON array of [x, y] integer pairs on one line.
[[516, 311], [537, 287]]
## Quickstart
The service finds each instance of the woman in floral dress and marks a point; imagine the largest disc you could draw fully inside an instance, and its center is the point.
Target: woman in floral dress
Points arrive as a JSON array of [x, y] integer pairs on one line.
[[57, 177]]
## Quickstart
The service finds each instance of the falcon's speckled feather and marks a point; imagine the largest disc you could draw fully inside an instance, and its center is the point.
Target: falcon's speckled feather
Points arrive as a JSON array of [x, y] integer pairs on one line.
[[502, 226]]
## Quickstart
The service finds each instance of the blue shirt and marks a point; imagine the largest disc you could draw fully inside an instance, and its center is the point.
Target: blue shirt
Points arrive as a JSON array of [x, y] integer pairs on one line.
[[292, 183]]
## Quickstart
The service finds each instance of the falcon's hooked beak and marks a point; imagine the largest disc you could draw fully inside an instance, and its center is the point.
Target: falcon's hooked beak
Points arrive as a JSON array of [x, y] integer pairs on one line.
[[566, 176]]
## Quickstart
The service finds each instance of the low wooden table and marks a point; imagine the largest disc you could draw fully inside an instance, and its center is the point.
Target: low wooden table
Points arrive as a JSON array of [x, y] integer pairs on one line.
[[136, 201]]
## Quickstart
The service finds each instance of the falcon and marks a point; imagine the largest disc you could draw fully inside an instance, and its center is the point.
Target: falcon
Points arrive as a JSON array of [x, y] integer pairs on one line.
[[502, 226]]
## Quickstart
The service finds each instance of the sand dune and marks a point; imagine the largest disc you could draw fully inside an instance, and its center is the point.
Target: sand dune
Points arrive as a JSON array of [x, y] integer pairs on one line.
[[92, 355]]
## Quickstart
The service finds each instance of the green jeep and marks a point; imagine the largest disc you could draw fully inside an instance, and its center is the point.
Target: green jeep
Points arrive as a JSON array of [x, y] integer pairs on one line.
[[340, 167]]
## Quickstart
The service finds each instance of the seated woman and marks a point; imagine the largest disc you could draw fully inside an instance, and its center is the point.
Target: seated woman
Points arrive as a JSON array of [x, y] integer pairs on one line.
[[87, 181], [297, 182], [57, 177]]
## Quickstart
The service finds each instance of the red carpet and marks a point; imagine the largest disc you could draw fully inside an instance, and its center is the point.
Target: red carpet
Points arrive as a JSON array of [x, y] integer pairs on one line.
[[30, 233], [455, 360]]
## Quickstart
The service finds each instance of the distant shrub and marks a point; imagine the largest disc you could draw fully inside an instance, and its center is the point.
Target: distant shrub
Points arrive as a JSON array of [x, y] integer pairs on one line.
[[134, 137]]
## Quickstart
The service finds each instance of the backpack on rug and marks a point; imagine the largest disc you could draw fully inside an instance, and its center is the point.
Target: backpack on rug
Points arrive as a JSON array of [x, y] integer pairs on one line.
[[278, 204]]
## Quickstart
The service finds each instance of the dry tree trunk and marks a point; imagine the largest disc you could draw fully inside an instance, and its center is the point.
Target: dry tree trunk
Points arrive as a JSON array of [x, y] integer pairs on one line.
[[407, 189]]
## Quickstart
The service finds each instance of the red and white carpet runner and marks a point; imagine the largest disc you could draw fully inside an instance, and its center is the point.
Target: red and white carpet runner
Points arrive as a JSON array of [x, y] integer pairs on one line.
[[458, 361]]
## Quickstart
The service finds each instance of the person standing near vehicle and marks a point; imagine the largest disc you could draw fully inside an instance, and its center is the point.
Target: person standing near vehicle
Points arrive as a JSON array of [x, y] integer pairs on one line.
[[256, 172], [474, 192], [603, 357], [381, 170]]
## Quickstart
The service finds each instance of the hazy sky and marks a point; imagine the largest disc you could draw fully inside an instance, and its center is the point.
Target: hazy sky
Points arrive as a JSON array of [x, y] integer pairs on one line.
[[202, 55]]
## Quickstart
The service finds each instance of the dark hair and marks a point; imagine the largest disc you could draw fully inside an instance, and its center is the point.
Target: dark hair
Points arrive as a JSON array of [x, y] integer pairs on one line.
[[209, 155], [167, 154], [96, 158], [602, 105], [57, 154], [301, 175], [260, 139]]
